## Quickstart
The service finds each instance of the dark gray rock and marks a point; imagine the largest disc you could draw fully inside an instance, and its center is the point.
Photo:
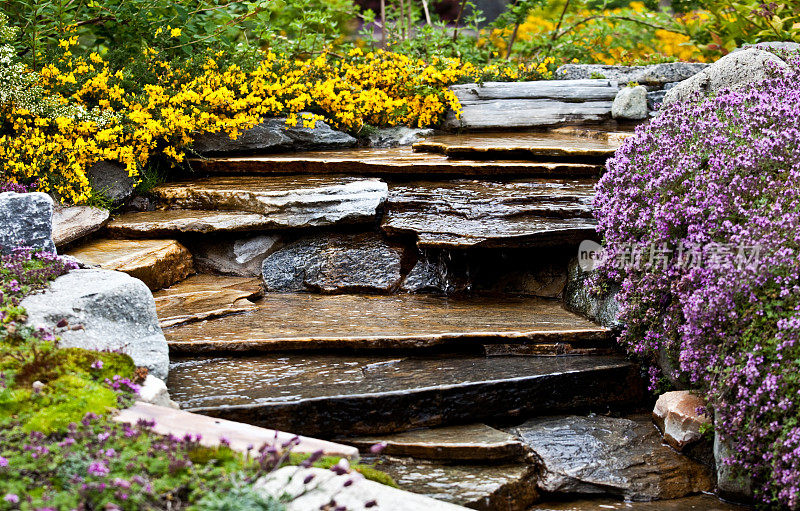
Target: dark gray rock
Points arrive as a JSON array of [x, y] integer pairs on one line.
[[75, 222], [606, 455], [732, 484], [424, 277], [241, 256], [630, 103], [111, 179], [105, 310], [26, 221], [655, 98], [578, 298], [273, 135], [656, 74], [734, 71], [334, 263], [397, 136]]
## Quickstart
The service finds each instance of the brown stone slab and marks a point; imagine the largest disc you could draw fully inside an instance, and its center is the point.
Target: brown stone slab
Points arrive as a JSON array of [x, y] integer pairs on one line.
[[509, 487], [398, 161], [542, 350], [518, 145], [324, 395], [240, 437], [308, 321], [473, 442], [158, 263], [147, 224], [206, 296], [468, 213], [694, 503], [72, 223], [288, 201]]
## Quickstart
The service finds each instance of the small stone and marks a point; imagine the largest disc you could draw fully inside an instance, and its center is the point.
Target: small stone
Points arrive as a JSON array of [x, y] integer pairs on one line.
[[734, 71], [158, 263], [325, 486], [334, 263], [242, 257], [397, 136], [75, 222], [114, 310], [111, 180], [26, 221], [154, 391], [37, 386], [676, 415], [630, 103]]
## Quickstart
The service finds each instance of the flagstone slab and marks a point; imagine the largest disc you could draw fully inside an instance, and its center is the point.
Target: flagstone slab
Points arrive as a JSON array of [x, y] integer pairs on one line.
[[212, 432], [565, 90], [206, 296], [472, 442], [287, 322], [323, 395], [392, 162], [468, 213], [496, 114], [172, 222], [72, 223], [158, 263], [701, 502], [507, 487], [289, 202], [527, 145]]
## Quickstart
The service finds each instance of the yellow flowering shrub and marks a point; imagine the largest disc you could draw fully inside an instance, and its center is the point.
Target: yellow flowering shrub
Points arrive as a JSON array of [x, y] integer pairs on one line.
[[378, 88]]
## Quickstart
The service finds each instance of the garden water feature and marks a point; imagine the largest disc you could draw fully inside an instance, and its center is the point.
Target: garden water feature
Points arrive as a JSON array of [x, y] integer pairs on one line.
[[406, 288]]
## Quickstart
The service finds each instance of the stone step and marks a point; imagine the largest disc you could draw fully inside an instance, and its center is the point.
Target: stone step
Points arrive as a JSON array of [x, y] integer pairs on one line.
[[203, 297], [694, 503], [286, 201], [172, 222], [392, 162], [525, 145], [519, 213], [526, 113], [467, 443], [323, 395], [158, 263], [564, 90], [211, 432], [291, 322], [506, 487]]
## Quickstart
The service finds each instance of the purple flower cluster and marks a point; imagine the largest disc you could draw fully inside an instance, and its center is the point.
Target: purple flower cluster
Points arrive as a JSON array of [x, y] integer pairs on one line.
[[7, 186], [724, 170]]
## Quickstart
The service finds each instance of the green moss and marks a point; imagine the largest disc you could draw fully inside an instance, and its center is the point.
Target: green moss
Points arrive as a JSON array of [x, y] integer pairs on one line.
[[369, 472], [67, 400]]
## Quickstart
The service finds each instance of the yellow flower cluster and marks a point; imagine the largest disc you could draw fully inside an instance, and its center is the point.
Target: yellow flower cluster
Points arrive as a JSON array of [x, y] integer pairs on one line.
[[163, 117]]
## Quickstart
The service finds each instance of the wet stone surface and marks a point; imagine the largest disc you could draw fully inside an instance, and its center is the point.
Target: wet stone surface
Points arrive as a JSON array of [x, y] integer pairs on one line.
[[462, 213], [696, 502], [606, 455], [172, 222], [308, 321], [509, 487], [290, 202], [398, 161], [332, 263], [323, 395]]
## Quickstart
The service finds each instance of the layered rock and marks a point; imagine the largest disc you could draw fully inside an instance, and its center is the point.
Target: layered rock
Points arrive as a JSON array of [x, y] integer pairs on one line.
[[397, 136], [72, 223], [552, 145], [173, 222], [463, 214], [104, 310], [274, 135], [510, 487], [579, 297], [26, 221], [733, 71], [157, 263], [656, 74], [334, 263], [288, 202], [606, 455], [677, 416]]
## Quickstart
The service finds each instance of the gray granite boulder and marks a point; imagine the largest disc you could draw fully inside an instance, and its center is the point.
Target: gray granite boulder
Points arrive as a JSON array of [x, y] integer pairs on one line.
[[779, 46], [334, 263], [579, 298], [656, 74], [734, 71], [630, 103], [397, 136], [273, 135], [26, 221], [111, 179], [104, 310]]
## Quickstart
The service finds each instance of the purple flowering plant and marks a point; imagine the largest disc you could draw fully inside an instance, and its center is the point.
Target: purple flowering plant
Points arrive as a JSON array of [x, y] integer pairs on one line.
[[721, 170]]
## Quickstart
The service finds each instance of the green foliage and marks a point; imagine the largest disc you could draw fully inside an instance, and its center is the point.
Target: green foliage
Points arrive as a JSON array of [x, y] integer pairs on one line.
[[732, 24]]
